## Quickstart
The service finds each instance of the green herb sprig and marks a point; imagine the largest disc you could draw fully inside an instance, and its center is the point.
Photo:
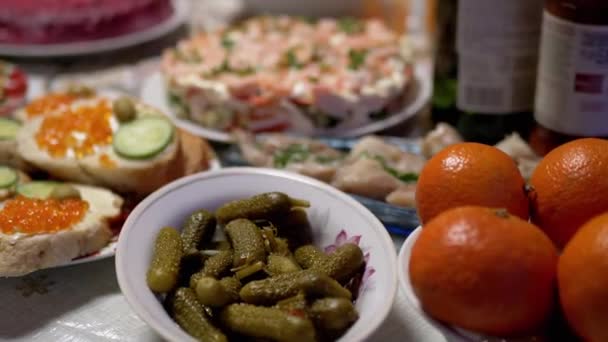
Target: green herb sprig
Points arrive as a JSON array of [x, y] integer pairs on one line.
[[356, 58], [291, 154], [350, 25], [292, 60], [406, 177]]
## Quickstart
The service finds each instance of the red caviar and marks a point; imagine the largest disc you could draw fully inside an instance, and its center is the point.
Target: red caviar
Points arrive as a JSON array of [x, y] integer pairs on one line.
[[79, 130], [38, 216], [48, 103]]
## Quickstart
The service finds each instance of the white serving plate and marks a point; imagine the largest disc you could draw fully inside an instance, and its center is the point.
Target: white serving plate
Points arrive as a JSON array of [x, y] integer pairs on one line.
[[110, 249], [154, 92], [335, 219], [180, 14]]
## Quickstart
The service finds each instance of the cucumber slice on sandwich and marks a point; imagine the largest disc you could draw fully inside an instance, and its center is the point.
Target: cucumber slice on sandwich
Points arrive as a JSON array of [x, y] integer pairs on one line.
[[8, 177], [47, 189], [8, 128], [143, 138], [37, 189]]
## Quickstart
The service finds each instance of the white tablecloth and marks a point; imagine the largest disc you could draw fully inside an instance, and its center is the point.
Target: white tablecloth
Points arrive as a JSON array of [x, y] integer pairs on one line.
[[83, 303]]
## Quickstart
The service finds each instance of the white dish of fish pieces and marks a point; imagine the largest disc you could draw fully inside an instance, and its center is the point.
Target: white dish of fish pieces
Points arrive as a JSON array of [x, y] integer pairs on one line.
[[377, 167], [336, 221], [331, 77]]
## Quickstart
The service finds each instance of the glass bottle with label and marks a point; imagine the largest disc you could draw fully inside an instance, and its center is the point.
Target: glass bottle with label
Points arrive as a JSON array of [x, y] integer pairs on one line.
[[572, 86], [497, 51]]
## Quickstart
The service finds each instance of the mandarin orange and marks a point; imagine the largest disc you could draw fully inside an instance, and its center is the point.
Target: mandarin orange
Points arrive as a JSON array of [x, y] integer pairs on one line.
[[470, 174], [583, 280], [569, 187], [484, 270]]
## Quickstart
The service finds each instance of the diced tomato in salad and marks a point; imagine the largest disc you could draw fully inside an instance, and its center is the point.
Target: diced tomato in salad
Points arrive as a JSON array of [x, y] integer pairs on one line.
[[13, 88]]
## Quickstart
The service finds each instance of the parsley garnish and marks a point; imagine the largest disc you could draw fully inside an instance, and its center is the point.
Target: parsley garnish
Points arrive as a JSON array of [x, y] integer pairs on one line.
[[292, 60], [406, 177], [350, 25], [356, 58], [226, 68], [227, 43], [292, 153]]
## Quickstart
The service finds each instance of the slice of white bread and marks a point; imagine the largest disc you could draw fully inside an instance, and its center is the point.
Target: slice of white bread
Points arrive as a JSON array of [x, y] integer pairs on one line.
[[8, 146], [21, 254], [184, 155], [65, 168]]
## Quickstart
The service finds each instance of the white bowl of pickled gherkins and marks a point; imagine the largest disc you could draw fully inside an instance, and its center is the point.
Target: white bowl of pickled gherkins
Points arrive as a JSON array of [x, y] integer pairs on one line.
[[275, 282]]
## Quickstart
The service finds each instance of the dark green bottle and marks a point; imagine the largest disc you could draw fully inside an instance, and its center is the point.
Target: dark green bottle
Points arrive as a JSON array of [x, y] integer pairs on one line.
[[485, 69], [446, 64]]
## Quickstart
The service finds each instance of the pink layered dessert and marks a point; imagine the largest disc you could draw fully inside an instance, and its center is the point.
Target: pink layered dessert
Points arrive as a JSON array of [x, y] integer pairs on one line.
[[67, 21]]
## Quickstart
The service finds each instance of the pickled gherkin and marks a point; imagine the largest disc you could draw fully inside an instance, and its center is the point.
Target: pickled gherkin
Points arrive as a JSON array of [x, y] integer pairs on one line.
[[282, 246], [295, 227], [341, 265], [264, 281], [297, 302], [190, 315], [217, 293], [247, 242], [333, 315], [214, 267], [248, 270], [190, 264], [271, 323], [220, 245], [232, 286], [270, 290], [197, 230], [163, 273], [278, 264], [266, 206], [309, 255]]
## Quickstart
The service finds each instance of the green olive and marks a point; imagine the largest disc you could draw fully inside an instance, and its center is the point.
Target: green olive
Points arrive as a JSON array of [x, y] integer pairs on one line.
[[124, 109], [65, 191]]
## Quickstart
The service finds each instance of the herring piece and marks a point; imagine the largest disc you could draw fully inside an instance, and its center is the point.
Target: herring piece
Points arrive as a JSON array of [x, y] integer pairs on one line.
[[365, 177], [439, 138]]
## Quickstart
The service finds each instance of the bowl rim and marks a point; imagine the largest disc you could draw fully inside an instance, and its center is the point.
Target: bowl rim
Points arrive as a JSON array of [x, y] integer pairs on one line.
[[156, 322]]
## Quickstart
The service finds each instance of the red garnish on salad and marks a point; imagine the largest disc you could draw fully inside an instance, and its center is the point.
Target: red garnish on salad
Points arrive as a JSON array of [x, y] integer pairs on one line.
[[13, 88]]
